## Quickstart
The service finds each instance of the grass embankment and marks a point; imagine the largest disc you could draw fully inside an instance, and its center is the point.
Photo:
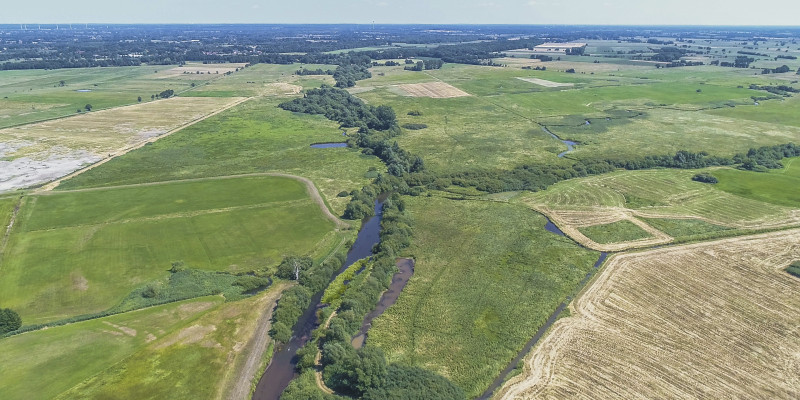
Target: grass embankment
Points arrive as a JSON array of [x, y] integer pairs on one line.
[[253, 137], [59, 264], [487, 277], [615, 232]]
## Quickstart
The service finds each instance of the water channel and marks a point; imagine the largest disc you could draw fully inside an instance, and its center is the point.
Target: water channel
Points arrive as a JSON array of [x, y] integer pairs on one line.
[[281, 369]]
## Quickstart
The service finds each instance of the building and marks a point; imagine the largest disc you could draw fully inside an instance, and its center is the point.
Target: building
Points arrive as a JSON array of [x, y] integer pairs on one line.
[[561, 48]]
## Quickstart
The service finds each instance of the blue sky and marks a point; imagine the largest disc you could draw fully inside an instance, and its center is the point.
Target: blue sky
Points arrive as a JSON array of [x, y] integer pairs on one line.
[[596, 12]]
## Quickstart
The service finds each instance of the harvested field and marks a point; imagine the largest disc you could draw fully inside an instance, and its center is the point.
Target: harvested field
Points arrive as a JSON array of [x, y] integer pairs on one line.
[[709, 320], [40, 152], [200, 71], [545, 83], [435, 90]]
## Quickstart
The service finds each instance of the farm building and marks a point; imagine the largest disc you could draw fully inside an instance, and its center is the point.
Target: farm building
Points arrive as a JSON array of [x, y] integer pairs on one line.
[[561, 48]]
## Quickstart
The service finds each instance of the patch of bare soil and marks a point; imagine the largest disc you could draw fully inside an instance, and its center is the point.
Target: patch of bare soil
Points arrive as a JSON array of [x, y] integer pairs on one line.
[[436, 90]]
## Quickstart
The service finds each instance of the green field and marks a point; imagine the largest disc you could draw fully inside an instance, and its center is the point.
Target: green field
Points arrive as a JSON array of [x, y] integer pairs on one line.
[[780, 187], [253, 137], [487, 277], [615, 232], [685, 228], [33, 95], [664, 193], [45, 363], [59, 264]]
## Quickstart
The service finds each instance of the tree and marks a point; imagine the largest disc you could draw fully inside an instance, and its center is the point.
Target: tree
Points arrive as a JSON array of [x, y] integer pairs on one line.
[[62, 83], [88, 107], [139, 99], [152, 97], [9, 320], [291, 267]]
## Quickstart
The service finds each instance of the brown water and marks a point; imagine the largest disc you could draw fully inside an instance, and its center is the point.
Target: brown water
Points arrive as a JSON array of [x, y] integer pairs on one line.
[[389, 297], [281, 369]]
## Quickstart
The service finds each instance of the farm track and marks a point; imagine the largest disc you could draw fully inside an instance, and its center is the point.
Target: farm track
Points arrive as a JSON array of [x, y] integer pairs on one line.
[[53, 184], [707, 320], [7, 232], [258, 346]]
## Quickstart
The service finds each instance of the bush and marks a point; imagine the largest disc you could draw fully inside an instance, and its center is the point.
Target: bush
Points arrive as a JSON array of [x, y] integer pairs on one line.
[[705, 178], [415, 113], [415, 127], [794, 269], [343, 193], [9, 320]]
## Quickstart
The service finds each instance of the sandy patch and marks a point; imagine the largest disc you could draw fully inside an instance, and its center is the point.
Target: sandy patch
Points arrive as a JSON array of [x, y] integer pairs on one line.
[[545, 83], [282, 88], [80, 283], [124, 329], [190, 335], [436, 90]]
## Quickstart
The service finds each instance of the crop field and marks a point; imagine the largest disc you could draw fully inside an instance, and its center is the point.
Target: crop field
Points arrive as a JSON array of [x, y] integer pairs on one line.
[[72, 353], [434, 90], [40, 152], [33, 95], [255, 136], [671, 194], [681, 322], [58, 264], [487, 277]]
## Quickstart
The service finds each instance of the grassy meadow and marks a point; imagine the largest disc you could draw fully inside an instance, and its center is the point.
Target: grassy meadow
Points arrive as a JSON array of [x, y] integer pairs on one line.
[[487, 277], [72, 353], [59, 264], [253, 137], [615, 232]]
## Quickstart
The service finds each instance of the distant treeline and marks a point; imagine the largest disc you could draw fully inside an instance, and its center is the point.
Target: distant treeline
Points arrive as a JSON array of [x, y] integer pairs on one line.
[[318, 71]]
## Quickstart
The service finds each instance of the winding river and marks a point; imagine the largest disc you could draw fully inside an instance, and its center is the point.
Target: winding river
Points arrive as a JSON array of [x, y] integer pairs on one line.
[[281, 369], [570, 144]]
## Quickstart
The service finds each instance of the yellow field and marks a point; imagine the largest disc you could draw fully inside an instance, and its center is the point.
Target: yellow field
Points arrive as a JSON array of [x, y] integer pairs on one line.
[[43, 151], [435, 90], [710, 320]]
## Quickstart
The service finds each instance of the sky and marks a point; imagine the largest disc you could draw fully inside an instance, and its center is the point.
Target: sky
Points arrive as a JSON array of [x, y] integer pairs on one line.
[[589, 12]]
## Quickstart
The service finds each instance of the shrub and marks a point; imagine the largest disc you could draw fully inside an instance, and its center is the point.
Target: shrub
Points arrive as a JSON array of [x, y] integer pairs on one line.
[[705, 178], [415, 127], [9, 320], [343, 193]]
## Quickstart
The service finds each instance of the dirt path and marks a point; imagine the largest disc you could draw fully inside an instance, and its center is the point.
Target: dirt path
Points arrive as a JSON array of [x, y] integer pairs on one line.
[[317, 361], [52, 185], [258, 345], [10, 225], [310, 188]]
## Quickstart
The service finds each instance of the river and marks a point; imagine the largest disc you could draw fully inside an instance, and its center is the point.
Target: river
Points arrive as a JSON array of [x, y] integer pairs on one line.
[[281, 369]]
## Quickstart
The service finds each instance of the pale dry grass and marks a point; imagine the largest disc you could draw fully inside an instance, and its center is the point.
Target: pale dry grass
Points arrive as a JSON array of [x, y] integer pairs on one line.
[[545, 83], [436, 90], [711, 320], [199, 71]]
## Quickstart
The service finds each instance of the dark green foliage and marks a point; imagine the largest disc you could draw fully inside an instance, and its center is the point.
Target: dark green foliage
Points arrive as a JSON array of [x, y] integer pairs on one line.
[[781, 90], [340, 106], [291, 267], [166, 94], [88, 107], [415, 113], [346, 75], [350, 371], [318, 71], [305, 388], [9, 320], [413, 383], [343, 193], [705, 177], [415, 127], [252, 283], [290, 307], [794, 269]]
